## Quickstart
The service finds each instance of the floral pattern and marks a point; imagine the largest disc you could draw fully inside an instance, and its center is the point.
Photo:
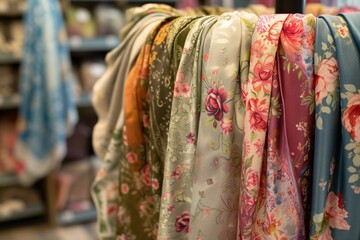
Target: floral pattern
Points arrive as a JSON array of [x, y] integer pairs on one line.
[[182, 136], [216, 172], [336, 161], [277, 144]]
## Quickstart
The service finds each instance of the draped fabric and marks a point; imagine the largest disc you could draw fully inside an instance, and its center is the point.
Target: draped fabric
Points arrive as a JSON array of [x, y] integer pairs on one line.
[[47, 109], [175, 205], [218, 155], [335, 208], [230, 126], [277, 144], [108, 132]]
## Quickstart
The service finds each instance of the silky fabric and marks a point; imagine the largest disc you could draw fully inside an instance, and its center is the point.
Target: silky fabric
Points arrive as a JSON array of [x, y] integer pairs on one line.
[[215, 198], [284, 180], [47, 108], [138, 205], [176, 192], [335, 182], [108, 144], [275, 166]]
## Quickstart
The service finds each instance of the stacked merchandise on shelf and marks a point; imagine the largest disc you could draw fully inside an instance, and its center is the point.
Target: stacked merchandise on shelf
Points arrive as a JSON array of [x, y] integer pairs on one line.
[[198, 133], [15, 202]]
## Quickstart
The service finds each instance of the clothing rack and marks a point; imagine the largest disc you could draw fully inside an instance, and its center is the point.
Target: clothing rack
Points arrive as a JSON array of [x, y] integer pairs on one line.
[[286, 6]]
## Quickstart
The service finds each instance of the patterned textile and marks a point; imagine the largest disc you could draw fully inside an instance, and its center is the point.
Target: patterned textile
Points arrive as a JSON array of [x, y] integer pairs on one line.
[[211, 130], [47, 108], [107, 134], [335, 209], [176, 192], [216, 181], [277, 143]]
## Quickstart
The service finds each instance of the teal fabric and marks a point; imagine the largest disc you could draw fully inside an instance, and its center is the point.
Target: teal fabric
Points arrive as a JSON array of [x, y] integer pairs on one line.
[[47, 103], [336, 182]]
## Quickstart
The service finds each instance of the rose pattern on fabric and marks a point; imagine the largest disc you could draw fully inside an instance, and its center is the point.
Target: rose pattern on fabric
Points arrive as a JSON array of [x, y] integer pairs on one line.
[[325, 79], [351, 118], [258, 117], [182, 222], [292, 34], [215, 103]]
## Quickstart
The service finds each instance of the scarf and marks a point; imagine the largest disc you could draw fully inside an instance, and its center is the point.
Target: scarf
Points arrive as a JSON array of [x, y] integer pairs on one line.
[[47, 108]]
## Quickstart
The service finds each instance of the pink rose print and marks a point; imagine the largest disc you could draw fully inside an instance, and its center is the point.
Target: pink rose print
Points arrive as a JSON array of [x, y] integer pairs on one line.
[[258, 114], [325, 79], [206, 57], [155, 184], [252, 179], [351, 117], [182, 222], [124, 188], [291, 34], [226, 125], [249, 204], [334, 215], [145, 175], [146, 121], [343, 32], [176, 174], [215, 103], [190, 138], [257, 48], [181, 89], [263, 71], [185, 90], [132, 157]]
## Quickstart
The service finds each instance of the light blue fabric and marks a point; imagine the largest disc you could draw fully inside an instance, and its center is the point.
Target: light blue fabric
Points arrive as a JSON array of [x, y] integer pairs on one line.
[[336, 172], [47, 108]]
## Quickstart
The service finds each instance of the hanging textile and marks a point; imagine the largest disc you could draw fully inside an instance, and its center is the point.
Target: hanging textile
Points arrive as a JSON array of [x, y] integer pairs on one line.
[[176, 192], [108, 132], [335, 209], [48, 111], [216, 181], [277, 143]]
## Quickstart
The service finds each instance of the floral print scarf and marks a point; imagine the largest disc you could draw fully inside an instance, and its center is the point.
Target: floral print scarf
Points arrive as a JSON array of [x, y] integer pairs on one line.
[[216, 181], [277, 143], [176, 190], [108, 143], [336, 191]]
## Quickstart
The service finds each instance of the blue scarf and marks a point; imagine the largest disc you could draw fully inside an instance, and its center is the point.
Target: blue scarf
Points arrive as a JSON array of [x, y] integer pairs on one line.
[[336, 177], [48, 111]]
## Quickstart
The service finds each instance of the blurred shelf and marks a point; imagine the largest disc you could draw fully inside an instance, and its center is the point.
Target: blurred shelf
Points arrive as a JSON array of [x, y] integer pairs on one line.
[[84, 100], [33, 210], [9, 101], [8, 180], [69, 217], [9, 58], [91, 45]]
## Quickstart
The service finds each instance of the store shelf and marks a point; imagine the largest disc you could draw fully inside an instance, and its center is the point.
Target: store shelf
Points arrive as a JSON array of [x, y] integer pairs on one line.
[[33, 210], [8, 180], [9, 58], [9, 102], [69, 217], [91, 45]]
